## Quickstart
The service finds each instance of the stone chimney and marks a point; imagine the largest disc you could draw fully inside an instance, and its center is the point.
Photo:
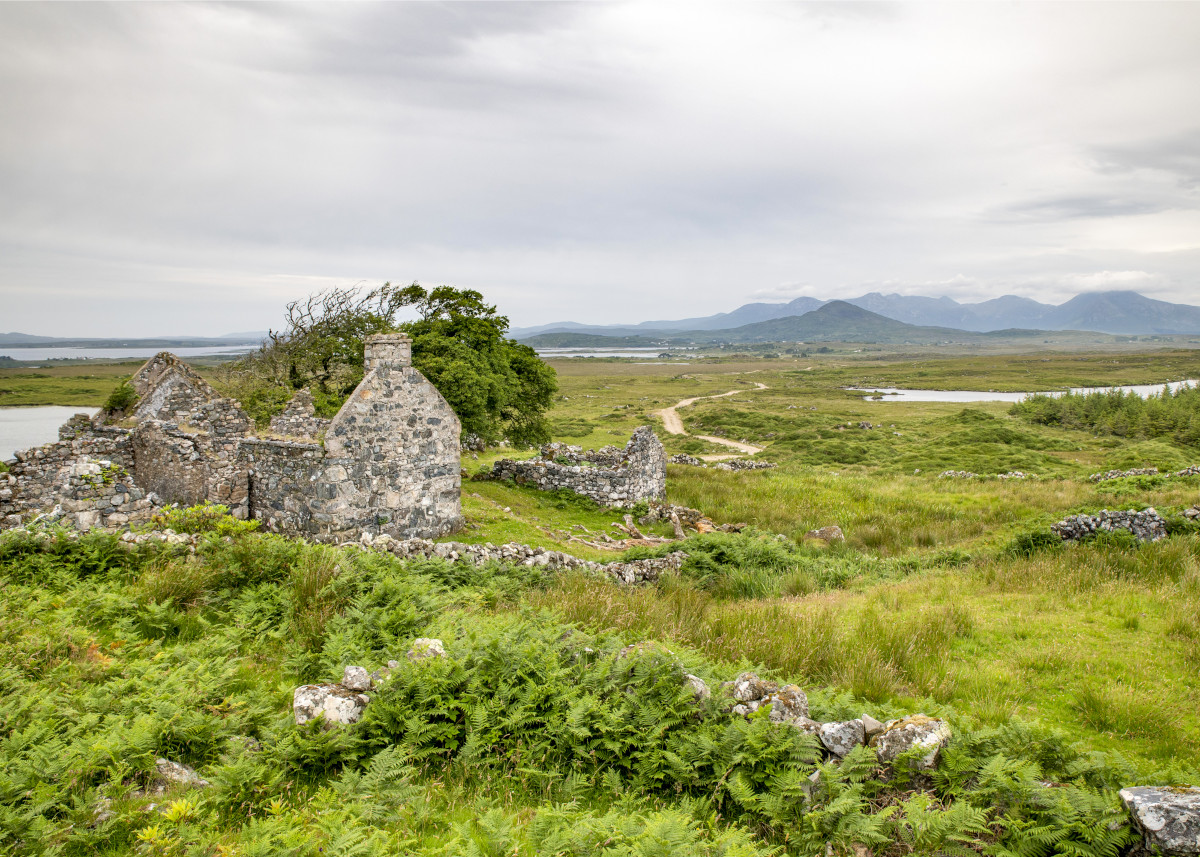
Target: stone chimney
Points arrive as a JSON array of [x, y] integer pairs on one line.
[[390, 350]]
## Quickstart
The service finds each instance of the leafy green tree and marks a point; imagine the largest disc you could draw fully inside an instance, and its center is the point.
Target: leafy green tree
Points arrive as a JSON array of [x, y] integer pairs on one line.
[[498, 387]]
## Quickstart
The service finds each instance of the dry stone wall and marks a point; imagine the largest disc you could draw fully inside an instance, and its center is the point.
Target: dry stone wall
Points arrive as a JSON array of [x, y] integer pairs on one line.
[[609, 476]]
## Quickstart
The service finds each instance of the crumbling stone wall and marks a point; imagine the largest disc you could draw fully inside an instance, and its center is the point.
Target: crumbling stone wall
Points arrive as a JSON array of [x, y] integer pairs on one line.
[[299, 419], [283, 485], [169, 390], [390, 461], [189, 467], [37, 480], [637, 473]]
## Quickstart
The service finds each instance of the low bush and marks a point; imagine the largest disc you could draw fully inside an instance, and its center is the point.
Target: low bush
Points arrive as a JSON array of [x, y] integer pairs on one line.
[[122, 398], [203, 518]]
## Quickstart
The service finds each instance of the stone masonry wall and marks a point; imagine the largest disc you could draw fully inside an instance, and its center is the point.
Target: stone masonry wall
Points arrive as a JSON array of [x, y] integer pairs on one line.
[[169, 390], [299, 419], [390, 462], [37, 479], [283, 481], [190, 467], [639, 473]]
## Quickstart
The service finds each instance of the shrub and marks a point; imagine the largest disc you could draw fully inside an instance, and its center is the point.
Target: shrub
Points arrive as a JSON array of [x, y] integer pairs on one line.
[[203, 518], [122, 398], [1034, 541]]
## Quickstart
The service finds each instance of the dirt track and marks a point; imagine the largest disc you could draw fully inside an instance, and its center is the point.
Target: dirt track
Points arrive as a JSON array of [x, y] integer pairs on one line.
[[674, 425]]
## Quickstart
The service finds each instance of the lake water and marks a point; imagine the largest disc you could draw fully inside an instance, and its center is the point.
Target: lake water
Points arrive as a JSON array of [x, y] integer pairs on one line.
[[22, 428], [891, 394], [117, 353], [636, 351]]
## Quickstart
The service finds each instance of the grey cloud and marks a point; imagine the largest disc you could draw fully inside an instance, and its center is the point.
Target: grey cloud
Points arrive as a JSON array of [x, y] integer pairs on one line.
[[1178, 155], [1070, 207], [603, 159]]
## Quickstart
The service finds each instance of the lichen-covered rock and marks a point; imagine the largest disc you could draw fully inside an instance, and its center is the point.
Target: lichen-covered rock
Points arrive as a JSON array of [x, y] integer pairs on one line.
[[832, 533], [806, 725], [1168, 818], [748, 687], [424, 648], [698, 687], [787, 704], [907, 733], [338, 705], [356, 679], [168, 774], [871, 726], [842, 737]]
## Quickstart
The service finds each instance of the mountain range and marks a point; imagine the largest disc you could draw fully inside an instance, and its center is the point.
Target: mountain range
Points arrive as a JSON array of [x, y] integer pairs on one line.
[[833, 321], [1119, 312]]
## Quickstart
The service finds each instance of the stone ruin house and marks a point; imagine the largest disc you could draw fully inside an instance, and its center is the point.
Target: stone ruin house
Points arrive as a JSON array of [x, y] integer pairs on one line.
[[388, 463], [610, 476]]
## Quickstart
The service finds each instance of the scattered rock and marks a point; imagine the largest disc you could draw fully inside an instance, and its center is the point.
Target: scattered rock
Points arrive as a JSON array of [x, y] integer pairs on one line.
[[168, 774], [698, 686], [871, 726], [900, 736], [840, 738], [426, 647], [102, 812], [1167, 817], [356, 679], [244, 744], [810, 786], [829, 535], [338, 705], [957, 474]]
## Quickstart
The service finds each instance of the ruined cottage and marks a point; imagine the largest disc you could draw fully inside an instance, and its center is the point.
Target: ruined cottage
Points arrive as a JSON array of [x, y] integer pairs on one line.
[[388, 463]]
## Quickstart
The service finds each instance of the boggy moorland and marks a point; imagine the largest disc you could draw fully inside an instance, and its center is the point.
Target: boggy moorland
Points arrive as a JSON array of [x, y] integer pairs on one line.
[[1065, 672]]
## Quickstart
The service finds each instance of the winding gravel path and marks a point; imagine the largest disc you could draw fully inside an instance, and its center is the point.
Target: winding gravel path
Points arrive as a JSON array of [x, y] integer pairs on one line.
[[674, 425]]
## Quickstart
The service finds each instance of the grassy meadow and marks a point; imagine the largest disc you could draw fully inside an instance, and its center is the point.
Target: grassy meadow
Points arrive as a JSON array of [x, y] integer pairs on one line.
[[1078, 665]]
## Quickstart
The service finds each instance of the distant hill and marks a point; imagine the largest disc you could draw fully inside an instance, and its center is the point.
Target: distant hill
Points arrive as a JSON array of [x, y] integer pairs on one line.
[[1119, 312], [836, 321], [587, 340], [25, 340], [1124, 312]]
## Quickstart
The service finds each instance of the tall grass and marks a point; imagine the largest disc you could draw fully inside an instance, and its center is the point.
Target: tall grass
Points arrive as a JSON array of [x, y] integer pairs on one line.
[[314, 600], [875, 656]]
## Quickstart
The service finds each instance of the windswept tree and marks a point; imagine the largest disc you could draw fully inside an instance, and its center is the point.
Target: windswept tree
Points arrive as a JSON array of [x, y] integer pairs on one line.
[[499, 388]]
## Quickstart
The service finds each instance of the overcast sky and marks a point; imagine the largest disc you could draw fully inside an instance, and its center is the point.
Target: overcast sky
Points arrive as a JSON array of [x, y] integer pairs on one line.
[[180, 168]]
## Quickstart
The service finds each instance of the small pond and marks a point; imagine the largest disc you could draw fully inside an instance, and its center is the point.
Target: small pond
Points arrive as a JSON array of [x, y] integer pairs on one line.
[[891, 394]]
